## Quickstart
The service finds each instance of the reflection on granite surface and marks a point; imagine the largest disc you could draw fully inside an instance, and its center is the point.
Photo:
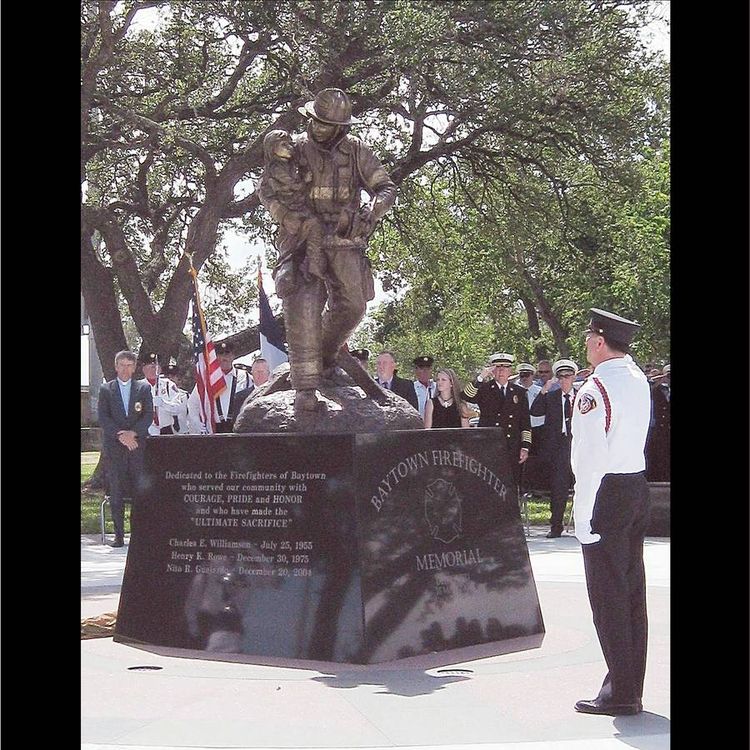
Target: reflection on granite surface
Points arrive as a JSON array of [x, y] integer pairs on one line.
[[347, 548]]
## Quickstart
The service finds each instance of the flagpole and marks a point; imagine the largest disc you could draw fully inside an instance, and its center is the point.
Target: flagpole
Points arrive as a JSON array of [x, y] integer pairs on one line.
[[194, 274], [208, 374]]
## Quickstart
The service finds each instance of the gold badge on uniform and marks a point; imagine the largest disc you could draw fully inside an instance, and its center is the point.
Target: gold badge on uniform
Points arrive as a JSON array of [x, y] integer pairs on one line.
[[138, 406], [515, 398]]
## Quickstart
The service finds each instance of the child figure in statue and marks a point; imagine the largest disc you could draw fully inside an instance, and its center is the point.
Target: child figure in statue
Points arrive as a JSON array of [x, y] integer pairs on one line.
[[283, 189]]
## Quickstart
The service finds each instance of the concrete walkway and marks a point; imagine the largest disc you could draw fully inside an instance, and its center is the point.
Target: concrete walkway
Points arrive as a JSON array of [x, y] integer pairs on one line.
[[136, 698]]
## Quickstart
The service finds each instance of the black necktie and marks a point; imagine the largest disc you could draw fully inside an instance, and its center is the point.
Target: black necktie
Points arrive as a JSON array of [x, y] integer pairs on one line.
[[568, 411]]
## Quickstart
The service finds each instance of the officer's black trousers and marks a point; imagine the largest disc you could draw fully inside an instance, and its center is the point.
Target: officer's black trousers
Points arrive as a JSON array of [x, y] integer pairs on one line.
[[560, 480], [616, 583]]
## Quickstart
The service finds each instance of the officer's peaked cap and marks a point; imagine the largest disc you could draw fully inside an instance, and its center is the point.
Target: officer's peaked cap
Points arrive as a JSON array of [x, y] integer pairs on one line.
[[565, 367], [525, 367], [612, 326], [424, 361], [224, 347], [361, 354], [332, 106], [501, 358], [152, 358]]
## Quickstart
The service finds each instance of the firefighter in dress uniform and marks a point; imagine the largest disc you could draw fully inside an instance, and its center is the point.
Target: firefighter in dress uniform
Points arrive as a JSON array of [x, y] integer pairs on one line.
[[611, 506], [505, 405]]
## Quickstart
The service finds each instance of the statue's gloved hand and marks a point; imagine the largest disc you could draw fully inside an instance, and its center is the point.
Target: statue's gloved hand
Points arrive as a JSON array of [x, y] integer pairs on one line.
[[366, 220]]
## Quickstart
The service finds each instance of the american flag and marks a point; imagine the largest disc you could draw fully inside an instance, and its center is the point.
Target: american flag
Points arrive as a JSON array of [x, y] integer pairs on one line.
[[209, 378]]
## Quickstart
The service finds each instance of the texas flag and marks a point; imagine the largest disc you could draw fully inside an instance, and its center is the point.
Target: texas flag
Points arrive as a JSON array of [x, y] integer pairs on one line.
[[272, 344]]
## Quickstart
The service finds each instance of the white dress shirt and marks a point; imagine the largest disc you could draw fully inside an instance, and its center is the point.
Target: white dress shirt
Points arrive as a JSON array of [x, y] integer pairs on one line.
[[424, 393], [532, 391], [125, 386], [610, 422], [169, 402], [242, 378]]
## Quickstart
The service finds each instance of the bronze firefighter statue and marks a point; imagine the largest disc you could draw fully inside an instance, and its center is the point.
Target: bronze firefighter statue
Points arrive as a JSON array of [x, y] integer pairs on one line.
[[311, 186]]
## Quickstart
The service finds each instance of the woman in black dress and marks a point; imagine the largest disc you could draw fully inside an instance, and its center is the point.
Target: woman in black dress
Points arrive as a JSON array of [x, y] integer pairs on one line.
[[447, 408]]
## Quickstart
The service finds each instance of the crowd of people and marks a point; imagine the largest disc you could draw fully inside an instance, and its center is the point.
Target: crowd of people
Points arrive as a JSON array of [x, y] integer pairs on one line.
[[532, 405]]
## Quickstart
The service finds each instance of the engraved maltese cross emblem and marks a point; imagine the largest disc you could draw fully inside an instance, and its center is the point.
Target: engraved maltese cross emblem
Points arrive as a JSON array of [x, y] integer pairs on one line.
[[442, 510]]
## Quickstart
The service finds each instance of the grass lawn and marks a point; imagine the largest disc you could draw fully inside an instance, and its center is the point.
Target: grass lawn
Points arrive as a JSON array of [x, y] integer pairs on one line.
[[91, 500]]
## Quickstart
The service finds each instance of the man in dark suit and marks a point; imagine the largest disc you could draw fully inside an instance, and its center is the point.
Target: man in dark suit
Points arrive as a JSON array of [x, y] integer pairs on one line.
[[658, 444], [556, 406], [505, 405], [260, 371], [125, 411], [388, 379]]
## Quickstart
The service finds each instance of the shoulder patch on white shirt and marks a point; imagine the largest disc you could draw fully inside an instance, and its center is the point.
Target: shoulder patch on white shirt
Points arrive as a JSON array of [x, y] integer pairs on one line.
[[586, 403]]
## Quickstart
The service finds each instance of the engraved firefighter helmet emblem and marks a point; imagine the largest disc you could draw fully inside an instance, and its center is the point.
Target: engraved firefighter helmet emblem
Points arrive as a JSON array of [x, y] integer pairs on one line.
[[442, 510]]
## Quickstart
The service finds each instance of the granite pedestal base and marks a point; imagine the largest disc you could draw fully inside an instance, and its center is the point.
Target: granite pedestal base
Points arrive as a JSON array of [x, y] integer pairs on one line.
[[357, 548]]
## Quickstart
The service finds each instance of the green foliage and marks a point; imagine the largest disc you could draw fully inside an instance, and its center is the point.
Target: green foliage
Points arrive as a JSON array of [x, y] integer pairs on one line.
[[460, 273], [91, 500]]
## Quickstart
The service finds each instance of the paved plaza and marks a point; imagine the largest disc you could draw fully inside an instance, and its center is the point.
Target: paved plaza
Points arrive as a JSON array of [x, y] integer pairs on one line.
[[465, 699]]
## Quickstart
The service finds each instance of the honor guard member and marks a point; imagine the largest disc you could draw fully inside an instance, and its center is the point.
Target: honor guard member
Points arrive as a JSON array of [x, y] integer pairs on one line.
[[235, 380], [526, 380], [536, 469], [424, 385], [503, 404], [611, 506], [170, 402], [179, 421]]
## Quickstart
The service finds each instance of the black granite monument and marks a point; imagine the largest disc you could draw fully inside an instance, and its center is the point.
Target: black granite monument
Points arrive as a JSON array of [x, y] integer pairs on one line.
[[357, 548]]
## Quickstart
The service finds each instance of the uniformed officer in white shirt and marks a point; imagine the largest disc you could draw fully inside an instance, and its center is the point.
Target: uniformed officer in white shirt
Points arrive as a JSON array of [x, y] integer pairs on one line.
[[235, 380], [169, 400], [526, 380], [424, 385], [179, 420], [611, 505]]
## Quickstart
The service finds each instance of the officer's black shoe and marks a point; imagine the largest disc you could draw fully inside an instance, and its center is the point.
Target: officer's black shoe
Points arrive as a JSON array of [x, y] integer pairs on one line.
[[118, 543], [554, 534], [598, 706]]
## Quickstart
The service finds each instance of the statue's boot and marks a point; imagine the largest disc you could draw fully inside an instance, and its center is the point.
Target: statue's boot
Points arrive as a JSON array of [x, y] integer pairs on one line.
[[307, 401]]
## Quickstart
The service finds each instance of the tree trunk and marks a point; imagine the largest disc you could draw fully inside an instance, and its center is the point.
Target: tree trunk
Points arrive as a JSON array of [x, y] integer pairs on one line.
[[97, 286], [558, 332], [531, 316]]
